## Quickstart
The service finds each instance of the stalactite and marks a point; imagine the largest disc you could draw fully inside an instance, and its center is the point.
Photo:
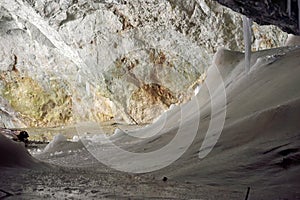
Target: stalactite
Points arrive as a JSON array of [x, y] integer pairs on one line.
[[247, 23]]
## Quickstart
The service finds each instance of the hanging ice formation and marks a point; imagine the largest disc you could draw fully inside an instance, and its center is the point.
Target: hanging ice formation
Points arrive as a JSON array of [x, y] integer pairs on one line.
[[289, 10], [87, 89], [247, 23], [299, 15], [197, 89], [289, 7]]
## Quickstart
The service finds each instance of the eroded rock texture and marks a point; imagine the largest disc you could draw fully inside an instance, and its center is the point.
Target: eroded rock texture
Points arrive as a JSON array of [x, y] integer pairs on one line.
[[127, 60]]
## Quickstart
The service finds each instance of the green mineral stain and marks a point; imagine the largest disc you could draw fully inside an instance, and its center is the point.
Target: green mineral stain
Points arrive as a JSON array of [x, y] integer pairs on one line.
[[37, 106]]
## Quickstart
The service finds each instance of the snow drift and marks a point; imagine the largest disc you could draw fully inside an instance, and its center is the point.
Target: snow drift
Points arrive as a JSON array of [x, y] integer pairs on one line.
[[14, 154]]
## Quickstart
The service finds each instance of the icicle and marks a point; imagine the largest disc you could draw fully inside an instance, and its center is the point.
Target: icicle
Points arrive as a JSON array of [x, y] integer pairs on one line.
[[78, 77], [87, 88], [197, 89], [299, 15], [247, 23], [289, 7]]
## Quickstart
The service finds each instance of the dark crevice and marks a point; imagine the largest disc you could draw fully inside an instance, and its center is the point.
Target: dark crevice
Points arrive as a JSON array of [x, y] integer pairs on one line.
[[270, 12]]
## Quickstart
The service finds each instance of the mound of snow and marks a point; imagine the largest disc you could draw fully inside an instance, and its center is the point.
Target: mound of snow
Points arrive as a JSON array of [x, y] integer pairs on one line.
[[292, 40], [57, 140], [14, 154]]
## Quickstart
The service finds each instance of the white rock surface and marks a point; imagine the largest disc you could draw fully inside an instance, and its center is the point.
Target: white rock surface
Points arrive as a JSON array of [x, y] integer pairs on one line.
[[118, 47]]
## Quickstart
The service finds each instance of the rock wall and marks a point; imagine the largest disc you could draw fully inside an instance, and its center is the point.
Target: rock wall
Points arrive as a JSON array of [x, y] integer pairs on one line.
[[125, 60]]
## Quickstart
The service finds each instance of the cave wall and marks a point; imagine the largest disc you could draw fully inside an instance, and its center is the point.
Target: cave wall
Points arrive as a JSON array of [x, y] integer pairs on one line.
[[101, 60]]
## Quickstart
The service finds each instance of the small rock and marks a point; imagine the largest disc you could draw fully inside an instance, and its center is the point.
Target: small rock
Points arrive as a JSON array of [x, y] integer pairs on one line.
[[165, 179]]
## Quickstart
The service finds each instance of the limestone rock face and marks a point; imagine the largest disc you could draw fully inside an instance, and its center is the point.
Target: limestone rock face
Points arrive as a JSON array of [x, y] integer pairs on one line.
[[148, 102], [108, 59], [37, 106]]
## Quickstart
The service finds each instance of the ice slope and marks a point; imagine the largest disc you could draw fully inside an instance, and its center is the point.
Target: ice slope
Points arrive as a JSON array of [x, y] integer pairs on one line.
[[259, 145]]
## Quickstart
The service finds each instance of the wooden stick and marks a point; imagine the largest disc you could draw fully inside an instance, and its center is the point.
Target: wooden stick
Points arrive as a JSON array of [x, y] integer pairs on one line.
[[7, 193], [247, 195]]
